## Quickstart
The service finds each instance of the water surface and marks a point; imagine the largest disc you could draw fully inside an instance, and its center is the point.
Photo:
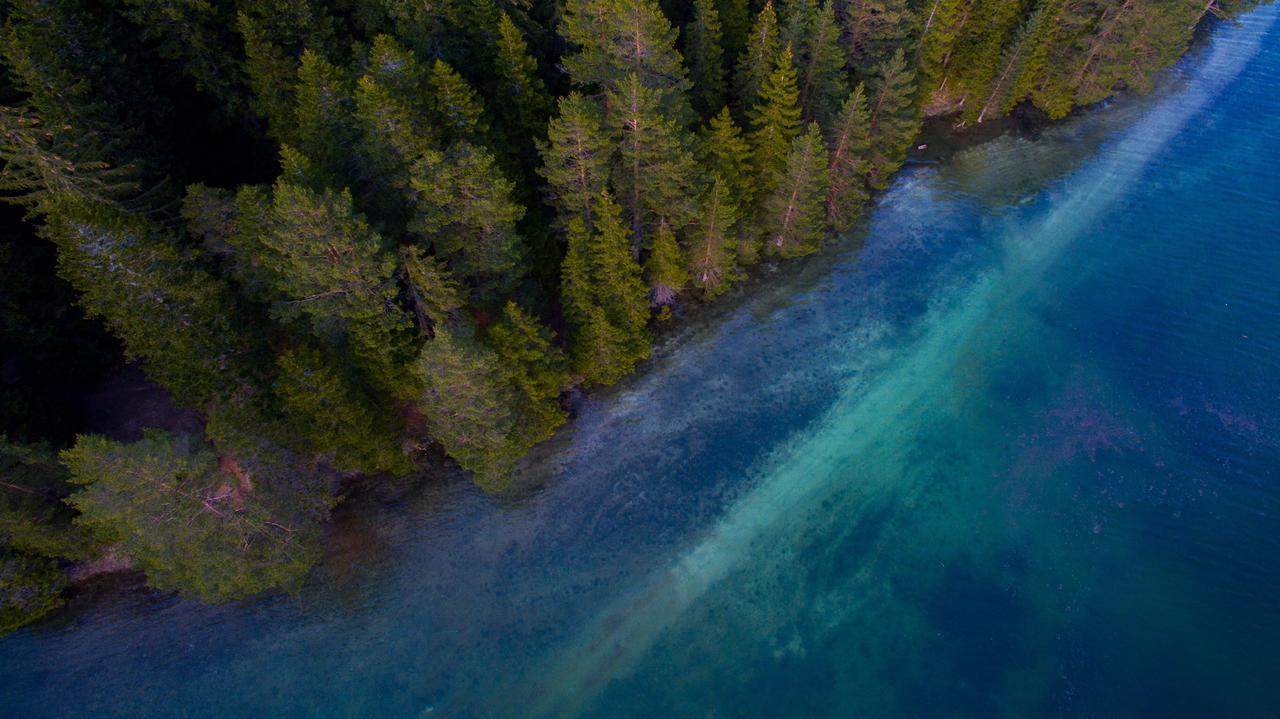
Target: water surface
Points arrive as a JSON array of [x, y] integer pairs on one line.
[[1009, 450]]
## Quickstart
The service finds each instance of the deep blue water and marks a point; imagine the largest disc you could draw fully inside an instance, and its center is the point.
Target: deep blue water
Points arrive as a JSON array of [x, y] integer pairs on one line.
[[1010, 450]]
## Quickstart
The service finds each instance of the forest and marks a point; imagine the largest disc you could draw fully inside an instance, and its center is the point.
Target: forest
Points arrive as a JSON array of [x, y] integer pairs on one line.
[[356, 236]]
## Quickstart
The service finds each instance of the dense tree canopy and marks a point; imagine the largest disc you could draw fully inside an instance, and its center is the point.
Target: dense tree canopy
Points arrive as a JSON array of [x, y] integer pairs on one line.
[[351, 233]]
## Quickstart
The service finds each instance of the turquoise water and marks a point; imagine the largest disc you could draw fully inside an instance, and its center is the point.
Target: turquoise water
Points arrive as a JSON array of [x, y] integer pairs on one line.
[[1009, 451]]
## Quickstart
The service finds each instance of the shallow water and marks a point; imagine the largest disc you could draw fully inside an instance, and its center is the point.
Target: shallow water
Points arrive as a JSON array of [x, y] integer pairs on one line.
[[1009, 451]]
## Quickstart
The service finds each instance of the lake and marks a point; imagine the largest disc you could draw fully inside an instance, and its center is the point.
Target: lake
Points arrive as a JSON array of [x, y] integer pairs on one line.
[[1010, 449]]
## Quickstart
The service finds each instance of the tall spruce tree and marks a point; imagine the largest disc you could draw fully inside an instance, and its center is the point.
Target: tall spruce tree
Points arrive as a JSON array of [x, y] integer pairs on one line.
[[776, 122], [520, 85], [874, 30], [576, 159], [605, 300], [850, 147], [723, 151], [822, 74], [655, 173], [894, 118], [759, 58], [735, 22], [463, 208], [712, 246], [703, 46], [794, 212]]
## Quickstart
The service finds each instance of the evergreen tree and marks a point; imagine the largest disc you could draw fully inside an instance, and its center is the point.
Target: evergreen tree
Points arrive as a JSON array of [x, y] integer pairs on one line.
[[655, 173], [324, 110], [275, 35], [760, 57], [850, 147], [615, 39], [520, 85], [822, 72], [723, 151], [735, 22], [576, 160], [794, 212], [464, 209], [456, 108], [712, 250], [976, 62], [342, 423], [1021, 63], [189, 521], [776, 119], [604, 298], [665, 269], [329, 269], [874, 30], [939, 32], [894, 119], [702, 44], [470, 408], [534, 366]]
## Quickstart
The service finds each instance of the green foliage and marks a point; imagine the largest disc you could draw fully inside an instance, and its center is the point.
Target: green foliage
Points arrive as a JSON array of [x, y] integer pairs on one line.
[[605, 300], [463, 208], [342, 423], [30, 587], [759, 58], [794, 212], [33, 518], [655, 175], [724, 152], [712, 250], [850, 146], [894, 118], [456, 108], [665, 269], [616, 39], [776, 122], [875, 29], [534, 366], [821, 62], [703, 45], [520, 85], [576, 160], [735, 21], [194, 524]]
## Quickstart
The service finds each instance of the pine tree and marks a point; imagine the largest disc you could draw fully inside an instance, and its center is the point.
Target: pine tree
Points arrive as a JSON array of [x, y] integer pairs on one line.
[[976, 62], [794, 212], [432, 292], [735, 22], [470, 408], [605, 300], [850, 147], [665, 269], [874, 30], [822, 74], [324, 111], [702, 43], [198, 37], [615, 39], [192, 525], [519, 84], [655, 173], [1021, 63], [712, 250], [534, 366], [723, 151], [576, 160], [180, 323], [776, 122], [341, 421], [940, 29], [760, 57], [894, 118], [275, 35], [456, 108], [329, 269], [463, 207]]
